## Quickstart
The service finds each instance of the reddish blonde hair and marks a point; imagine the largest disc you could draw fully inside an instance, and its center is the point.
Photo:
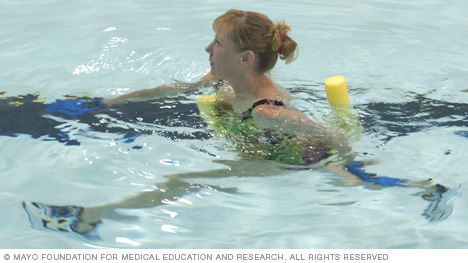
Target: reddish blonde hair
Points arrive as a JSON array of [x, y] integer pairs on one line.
[[256, 32]]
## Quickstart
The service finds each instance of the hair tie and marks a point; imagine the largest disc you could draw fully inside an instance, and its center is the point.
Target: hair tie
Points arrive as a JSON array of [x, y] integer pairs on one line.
[[282, 37]]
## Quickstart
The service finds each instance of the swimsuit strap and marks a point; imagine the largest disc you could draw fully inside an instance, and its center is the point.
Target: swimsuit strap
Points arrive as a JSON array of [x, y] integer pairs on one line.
[[218, 84], [248, 113]]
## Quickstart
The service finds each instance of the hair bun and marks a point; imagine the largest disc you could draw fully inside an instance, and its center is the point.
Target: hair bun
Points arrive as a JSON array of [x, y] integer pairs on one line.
[[282, 43]]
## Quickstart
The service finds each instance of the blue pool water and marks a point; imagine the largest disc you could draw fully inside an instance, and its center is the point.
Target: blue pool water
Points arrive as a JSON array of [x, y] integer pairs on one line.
[[406, 64]]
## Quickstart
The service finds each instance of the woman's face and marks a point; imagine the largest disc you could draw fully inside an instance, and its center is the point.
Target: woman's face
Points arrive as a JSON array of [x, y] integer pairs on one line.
[[225, 59]]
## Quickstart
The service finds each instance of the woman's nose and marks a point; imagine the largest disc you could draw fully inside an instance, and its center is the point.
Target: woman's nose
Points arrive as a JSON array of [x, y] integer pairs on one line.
[[209, 47]]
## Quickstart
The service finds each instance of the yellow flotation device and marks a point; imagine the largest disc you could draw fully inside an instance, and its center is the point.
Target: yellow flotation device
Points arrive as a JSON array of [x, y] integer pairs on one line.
[[337, 90], [206, 106], [342, 116]]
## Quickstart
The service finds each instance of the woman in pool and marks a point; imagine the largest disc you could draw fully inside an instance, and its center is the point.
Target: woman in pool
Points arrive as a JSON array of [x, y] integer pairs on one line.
[[246, 47], [252, 111]]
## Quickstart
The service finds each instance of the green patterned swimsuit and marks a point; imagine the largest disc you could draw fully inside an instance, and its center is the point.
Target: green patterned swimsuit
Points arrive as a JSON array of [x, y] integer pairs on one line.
[[254, 142]]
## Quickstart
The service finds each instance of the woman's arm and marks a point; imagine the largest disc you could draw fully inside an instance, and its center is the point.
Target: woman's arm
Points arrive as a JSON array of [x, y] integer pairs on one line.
[[161, 91], [295, 122], [146, 94]]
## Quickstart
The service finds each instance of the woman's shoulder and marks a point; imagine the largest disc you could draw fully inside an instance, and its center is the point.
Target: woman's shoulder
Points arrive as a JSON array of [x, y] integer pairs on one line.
[[209, 77], [275, 102], [283, 94]]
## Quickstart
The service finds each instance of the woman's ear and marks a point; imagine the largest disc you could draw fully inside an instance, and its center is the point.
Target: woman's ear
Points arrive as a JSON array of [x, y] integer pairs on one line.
[[247, 58]]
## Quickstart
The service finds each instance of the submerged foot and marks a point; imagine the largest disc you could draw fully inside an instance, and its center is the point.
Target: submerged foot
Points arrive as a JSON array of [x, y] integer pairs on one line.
[[60, 218], [439, 210]]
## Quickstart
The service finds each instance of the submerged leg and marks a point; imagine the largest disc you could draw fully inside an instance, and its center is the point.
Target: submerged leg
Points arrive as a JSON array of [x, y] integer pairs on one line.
[[436, 194], [175, 187], [84, 221]]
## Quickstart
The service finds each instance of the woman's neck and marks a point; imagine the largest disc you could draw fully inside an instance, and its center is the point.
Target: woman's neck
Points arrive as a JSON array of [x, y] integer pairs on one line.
[[247, 83]]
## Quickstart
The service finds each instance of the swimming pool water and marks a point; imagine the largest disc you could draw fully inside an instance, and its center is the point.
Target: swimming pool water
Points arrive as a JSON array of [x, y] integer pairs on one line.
[[406, 66]]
